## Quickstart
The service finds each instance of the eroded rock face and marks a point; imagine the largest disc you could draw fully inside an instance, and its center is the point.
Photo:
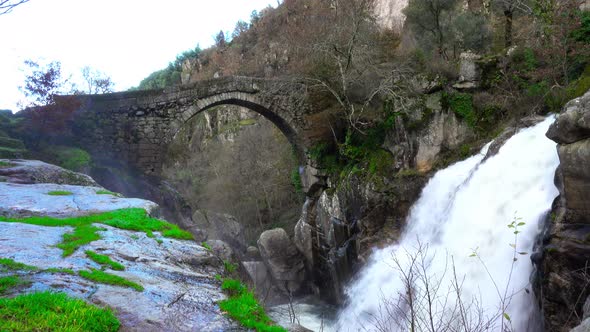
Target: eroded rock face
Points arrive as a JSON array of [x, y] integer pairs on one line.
[[222, 227], [566, 248], [282, 259], [337, 230]]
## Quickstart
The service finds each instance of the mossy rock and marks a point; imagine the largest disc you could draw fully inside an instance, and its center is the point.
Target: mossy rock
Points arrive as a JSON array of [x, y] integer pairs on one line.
[[8, 142]]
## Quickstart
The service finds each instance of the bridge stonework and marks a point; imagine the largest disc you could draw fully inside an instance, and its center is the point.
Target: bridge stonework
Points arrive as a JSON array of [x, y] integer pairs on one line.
[[136, 127]]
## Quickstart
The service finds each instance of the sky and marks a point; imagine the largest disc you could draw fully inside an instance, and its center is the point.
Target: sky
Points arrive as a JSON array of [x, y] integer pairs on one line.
[[125, 39]]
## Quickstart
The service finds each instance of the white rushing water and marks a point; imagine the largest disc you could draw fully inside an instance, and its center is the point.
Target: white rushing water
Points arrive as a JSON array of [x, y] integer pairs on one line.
[[464, 208]]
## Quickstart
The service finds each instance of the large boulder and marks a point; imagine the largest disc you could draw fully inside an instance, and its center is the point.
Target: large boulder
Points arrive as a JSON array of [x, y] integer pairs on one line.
[[35, 171], [563, 262], [220, 226], [283, 260]]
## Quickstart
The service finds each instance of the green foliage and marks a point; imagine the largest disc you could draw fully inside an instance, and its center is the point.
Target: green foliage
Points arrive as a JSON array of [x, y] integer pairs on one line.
[[232, 286], [296, 180], [243, 306], [247, 122], [229, 267], [8, 282], [524, 59], [49, 311], [134, 219], [462, 105], [59, 193], [580, 86], [60, 270], [104, 260], [582, 34], [4, 164], [82, 235], [170, 75], [109, 279], [206, 246], [74, 159], [7, 264]]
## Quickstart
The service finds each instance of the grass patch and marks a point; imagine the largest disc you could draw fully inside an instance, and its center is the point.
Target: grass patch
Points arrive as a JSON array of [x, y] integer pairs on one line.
[[73, 159], [104, 260], [49, 311], [462, 105], [9, 264], [109, 279], [8, 282], [108, 192], [247, 122], [243, 307], [134, 219], [59, 193], [60, 270], [82, 235]]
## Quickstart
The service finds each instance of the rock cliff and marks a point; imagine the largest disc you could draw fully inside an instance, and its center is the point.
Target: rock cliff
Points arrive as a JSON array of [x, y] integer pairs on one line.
[[564, 280]]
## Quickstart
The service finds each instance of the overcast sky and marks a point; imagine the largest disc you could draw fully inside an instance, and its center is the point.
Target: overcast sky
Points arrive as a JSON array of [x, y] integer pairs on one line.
[[126, 39]]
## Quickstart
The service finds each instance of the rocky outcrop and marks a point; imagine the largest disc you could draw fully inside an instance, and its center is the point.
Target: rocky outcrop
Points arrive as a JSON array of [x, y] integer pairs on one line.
[[35, 171], [219, 226], [566, 247], [178, 289], [283, 260], [337, 230]]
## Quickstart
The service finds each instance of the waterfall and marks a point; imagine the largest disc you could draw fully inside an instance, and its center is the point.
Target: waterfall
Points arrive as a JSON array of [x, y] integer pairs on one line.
[[459, 247]]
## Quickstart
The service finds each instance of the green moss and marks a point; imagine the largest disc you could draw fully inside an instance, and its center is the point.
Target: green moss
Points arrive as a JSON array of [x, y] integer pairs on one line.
[[11, 153], [8, 282], [134, 219], [49, 311], [10, 264], [206, 246], [11, 143], [108, 192], [411, 172], [60, 193], [296, 180], [60, 270], [462, 105], [104, 260], [109, 279], [243, 307]]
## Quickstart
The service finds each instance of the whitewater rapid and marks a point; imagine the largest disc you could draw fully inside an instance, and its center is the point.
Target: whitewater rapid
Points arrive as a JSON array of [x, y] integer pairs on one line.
[[461, 222]]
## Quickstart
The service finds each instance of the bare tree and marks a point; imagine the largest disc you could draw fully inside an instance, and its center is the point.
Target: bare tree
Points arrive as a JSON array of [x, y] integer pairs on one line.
[[6, 6], [96, 81]]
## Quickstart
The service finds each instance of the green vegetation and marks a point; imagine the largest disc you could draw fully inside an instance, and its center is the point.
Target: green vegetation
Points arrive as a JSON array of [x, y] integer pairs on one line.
[[82, 235], [60, 193], [109, 279], [296, 180], [247, 122], [60, 270], [7, 264], [104, 260], [4, 164], [462, 105], [170, 75], [244, 308], [134, 219], [108, 192], [74, 159], [49, 311], [8, 282], [206, 246]]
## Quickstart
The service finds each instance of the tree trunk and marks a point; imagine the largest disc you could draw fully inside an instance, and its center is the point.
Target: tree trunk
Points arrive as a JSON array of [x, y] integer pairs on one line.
[[508, 28]]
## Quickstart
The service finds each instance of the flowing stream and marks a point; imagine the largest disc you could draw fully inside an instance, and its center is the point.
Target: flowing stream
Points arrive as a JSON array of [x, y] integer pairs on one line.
[[459, 265]]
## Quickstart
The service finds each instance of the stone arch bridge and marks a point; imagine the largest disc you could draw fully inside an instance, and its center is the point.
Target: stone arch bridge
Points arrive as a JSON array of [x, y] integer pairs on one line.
[[136, 127]]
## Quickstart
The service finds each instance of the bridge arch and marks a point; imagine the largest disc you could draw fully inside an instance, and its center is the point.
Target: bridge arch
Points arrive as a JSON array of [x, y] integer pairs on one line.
[[248, 101]]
